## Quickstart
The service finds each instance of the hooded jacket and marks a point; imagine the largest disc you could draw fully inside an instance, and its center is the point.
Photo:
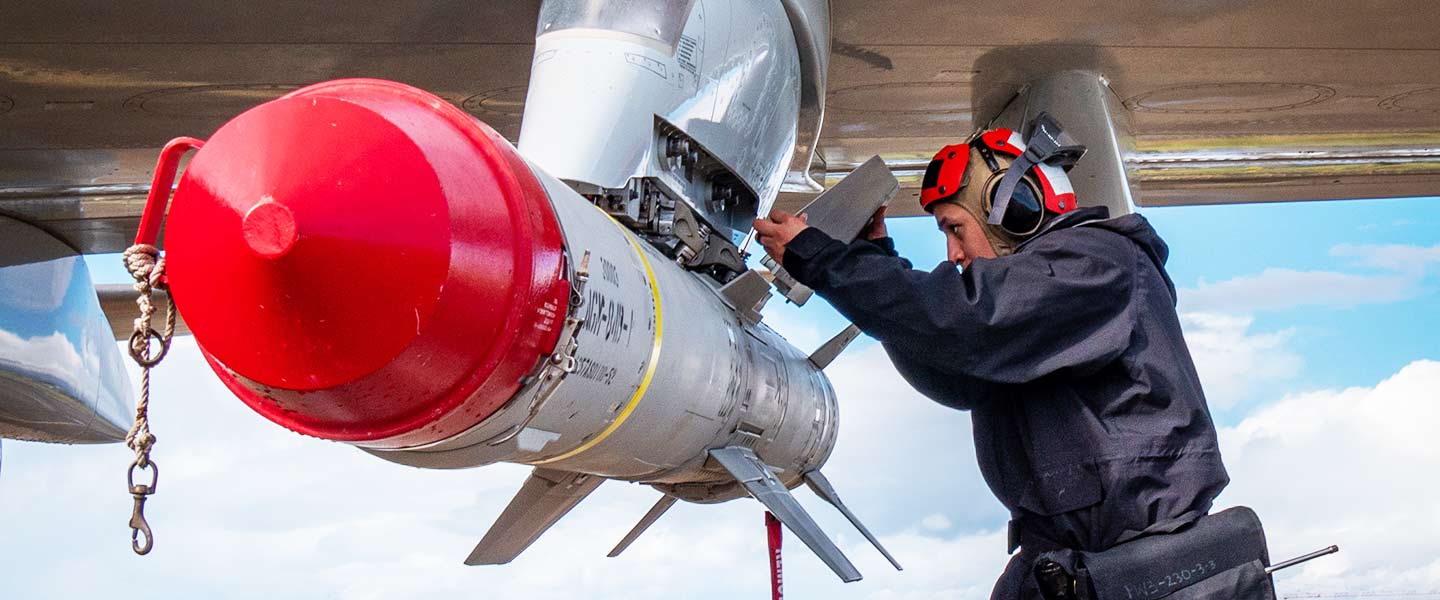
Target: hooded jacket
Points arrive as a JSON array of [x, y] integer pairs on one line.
[[1090, 425]]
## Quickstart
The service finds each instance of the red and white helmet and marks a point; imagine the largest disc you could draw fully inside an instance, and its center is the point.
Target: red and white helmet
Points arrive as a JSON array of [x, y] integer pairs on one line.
[[1017, 197]]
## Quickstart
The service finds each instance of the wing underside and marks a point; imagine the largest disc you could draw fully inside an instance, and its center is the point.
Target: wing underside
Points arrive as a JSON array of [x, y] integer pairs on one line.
[[1239, 101]]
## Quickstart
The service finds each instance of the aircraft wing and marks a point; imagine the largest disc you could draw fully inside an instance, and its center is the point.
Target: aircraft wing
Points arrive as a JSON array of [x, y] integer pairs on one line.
[[117, 301], [1227, 101]]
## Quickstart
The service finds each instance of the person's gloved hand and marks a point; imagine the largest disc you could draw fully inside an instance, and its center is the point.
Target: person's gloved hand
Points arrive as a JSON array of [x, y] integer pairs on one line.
[[875, 229], [775, 231]]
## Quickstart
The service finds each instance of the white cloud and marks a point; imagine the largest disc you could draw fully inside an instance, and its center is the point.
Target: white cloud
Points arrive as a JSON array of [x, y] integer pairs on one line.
[[1353, 467], [247, 510], [1272, 289], [240, 497], [1232, 362], [935, 522], [1279, 289], [1401, 258]]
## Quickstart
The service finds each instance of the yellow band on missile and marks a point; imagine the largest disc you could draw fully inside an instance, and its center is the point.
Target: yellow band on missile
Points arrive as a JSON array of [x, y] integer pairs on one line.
[[649, 368]]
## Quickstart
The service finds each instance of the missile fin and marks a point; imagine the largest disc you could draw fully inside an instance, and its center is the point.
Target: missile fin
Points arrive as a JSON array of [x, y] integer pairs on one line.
[[825, 354], [761, 482], [841, 212], [545, 497], [646, 521], [844, 209], [822, 488], [747, 294]]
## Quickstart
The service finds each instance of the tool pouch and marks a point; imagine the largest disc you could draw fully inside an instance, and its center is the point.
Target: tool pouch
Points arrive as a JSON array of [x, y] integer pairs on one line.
[[1220, 556]]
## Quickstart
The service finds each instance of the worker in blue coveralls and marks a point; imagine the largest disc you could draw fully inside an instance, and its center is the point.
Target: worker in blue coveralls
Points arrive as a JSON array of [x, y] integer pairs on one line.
[[1054, 325]]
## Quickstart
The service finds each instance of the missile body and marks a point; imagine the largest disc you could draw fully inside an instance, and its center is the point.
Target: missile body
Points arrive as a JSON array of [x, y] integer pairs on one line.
[[361, 261], [664, 370]]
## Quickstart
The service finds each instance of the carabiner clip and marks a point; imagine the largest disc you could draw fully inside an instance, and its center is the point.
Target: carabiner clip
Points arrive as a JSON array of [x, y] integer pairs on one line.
[[141, 492], [139, 527]]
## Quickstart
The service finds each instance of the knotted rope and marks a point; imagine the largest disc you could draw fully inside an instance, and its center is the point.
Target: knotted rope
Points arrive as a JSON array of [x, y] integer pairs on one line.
[[144, 263]]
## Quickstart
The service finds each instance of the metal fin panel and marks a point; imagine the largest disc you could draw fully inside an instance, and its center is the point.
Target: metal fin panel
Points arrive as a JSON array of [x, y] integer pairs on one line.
[[646, 521], [842, 211], [826, 354], [822, 488], [747, 294], [545, 497], [757, 478]]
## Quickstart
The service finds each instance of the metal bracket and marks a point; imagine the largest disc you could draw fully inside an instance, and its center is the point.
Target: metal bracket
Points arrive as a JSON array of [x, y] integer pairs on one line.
[[1083, 102], [541, 385]]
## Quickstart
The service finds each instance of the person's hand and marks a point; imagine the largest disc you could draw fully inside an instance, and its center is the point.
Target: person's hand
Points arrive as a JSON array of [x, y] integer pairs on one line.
[[777, 230], [875, 229]]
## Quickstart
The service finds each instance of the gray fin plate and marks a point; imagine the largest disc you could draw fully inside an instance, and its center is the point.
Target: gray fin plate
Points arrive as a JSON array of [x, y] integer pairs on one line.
[[766, 487], [821, 486], [646, 521], [826, 354], [545, 497], [842, 211]]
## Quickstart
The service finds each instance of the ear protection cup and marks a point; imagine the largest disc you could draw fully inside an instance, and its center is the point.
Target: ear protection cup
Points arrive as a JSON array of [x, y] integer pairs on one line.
[[1025, 212]]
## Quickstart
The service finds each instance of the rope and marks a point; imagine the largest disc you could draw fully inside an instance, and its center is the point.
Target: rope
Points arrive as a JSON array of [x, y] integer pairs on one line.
[[148, 268]]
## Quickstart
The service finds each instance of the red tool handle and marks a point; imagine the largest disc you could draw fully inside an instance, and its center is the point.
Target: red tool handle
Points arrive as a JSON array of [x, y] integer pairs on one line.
[[772, 529], [165, 170]]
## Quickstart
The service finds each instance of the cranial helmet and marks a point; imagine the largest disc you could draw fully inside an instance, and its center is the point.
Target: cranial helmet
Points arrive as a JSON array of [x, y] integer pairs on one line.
[[1012, 187]]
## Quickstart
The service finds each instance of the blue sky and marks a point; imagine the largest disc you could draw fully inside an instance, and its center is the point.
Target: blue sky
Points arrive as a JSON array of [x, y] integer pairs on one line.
[[1313, 326], [1349, 337]]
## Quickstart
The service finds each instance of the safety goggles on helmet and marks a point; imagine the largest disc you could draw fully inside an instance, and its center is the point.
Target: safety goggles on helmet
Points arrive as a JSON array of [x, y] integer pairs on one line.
[[1013, 200]]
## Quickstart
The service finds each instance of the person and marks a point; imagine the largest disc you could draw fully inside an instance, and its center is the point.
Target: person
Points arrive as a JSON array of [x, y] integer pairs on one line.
[[1055, 326]]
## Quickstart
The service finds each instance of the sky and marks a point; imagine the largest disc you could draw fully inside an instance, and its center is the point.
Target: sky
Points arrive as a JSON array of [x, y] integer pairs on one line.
[[1314, 327]]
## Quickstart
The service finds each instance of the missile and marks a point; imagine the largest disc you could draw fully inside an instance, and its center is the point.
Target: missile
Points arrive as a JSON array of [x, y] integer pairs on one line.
[[361, 261]]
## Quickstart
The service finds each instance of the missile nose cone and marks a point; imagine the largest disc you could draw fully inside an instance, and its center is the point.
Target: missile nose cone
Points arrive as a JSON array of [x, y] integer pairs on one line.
[[269, 229], [361, 261]]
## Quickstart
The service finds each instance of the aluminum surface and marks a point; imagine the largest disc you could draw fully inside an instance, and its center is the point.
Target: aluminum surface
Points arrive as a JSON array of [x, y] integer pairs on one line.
[[1087, 108], [731, 82], [62, 377], [716, 380], [1243, 81]]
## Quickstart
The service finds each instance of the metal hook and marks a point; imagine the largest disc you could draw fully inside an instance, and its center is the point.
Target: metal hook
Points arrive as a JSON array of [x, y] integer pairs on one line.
[[139, 527], [141, 492]]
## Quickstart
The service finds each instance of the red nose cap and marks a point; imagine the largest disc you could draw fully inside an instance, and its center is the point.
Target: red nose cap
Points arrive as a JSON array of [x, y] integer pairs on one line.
[[269, 229], [361, 261]]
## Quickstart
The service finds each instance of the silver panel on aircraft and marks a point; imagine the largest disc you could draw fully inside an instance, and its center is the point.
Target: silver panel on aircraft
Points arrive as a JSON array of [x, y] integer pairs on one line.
[[62, 378], [1243, 100]]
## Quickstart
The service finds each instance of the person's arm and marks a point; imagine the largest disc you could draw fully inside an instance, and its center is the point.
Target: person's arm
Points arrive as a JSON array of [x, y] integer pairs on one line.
[[887, 245], [1064, 303]]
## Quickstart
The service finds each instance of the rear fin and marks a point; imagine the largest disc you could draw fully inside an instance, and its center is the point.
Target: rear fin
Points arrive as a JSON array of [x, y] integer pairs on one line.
[[545, 497], [761, 482], [822, 488], [826, 353], [646, 521]]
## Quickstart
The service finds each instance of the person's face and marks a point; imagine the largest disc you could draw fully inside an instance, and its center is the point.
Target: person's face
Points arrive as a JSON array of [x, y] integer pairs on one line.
[[965, 240]]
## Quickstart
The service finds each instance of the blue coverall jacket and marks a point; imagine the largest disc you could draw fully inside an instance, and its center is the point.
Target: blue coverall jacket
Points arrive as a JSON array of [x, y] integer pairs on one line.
[[1089, 422]]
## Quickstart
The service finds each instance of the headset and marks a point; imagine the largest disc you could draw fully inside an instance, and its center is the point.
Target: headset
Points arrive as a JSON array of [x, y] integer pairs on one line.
[[1013, 199]]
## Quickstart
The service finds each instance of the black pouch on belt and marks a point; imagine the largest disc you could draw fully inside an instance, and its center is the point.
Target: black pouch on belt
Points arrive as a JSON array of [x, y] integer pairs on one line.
[[1220, 556]]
